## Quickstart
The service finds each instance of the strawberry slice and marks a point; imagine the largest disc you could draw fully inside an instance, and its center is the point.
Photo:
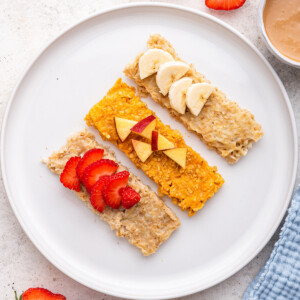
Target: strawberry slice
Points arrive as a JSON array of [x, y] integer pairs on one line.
[[129, 197], [97, 199], [69, 176], [88, 158], [41, 294], [224, 4], [111, 191], [96, 170]]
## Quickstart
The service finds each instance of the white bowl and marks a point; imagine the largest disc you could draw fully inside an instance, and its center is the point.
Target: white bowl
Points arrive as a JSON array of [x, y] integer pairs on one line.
[[270, 46]]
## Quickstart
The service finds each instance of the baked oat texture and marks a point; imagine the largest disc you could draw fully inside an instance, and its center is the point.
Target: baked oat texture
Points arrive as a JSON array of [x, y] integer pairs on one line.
[[222, 124], [188, 187], [146, 225]]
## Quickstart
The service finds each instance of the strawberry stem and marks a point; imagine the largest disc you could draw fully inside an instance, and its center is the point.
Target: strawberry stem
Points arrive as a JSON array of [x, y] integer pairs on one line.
[[16, 296]]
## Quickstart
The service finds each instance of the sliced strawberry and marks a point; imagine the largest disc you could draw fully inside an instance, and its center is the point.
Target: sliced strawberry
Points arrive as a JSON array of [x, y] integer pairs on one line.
[[224, 4], [88, 158], [69, 176], [129, 197], [111, 191], [96, 170], [97, 199], [41, 294]]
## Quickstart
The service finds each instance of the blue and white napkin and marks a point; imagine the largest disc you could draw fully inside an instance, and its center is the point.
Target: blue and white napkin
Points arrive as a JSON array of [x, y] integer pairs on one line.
[[279, 278]]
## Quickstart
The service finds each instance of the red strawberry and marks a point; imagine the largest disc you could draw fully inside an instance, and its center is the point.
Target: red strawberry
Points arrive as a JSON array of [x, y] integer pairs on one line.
[[224, 4], [97, 199], [96, 170], [69, 176], [88, 158], [111, 191], [129, 197], [41, 294]]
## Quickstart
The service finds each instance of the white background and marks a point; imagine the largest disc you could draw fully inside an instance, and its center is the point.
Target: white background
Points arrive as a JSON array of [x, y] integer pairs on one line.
[[26, 27]]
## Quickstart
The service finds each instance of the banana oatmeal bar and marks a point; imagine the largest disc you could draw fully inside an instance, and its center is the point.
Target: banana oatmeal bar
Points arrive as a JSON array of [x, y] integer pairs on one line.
[[221, 124], [146, 225]]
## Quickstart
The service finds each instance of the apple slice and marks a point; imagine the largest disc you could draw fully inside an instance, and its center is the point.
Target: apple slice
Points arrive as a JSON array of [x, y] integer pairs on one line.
[[178, 155], [145, 127], [123, 127], [143, 150], [159, 142]]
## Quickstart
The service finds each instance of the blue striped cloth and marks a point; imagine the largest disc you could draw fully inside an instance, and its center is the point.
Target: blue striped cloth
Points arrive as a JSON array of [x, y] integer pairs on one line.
[[279, 278]]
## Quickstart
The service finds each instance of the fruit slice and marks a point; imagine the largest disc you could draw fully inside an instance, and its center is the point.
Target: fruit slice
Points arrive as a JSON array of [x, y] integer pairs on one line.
[[97, 199], [143, 150], [123, 127], [196, 96], [177, 94], [168, 73], [41, 294], [69, 177], [224, 4], [111, 191], [96, 170], [151, 60], [159, 142], [88, 158], [145, 127], [129, 197], [178, 155]]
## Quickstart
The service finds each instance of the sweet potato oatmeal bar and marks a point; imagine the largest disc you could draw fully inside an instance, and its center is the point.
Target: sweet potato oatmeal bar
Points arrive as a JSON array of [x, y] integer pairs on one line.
[[147, 224], [221, 124], [188, 187]]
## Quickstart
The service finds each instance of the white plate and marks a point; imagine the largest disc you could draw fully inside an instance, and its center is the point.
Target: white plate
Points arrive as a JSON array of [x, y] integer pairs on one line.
[[71, 75]]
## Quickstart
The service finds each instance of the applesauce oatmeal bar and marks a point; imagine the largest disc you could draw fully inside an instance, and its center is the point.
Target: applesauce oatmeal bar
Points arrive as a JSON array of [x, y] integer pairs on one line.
[[218, 121], [147, 224], [189, 186]]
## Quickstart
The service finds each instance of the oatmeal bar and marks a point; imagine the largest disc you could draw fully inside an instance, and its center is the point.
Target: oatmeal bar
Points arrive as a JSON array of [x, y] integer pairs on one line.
[[221, 124], [188, 187], [147, 224]]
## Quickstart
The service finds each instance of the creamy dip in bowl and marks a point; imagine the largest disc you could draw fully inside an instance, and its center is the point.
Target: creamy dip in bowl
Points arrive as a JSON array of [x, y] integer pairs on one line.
[[279, 21]]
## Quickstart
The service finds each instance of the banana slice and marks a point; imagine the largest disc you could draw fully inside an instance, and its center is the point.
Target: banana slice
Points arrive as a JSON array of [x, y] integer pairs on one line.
[[168, 73], [196, 96], [151, 60], [177, 94]]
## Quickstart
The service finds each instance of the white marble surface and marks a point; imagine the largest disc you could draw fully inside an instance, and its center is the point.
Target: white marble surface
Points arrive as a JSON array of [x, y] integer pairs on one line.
[[25, 27]]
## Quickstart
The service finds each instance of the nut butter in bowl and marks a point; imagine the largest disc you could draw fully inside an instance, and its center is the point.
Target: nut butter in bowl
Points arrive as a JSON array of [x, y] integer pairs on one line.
[[279, 21]]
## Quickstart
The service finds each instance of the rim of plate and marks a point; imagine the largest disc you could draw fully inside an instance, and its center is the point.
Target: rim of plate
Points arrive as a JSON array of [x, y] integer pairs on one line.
[[196, 287]]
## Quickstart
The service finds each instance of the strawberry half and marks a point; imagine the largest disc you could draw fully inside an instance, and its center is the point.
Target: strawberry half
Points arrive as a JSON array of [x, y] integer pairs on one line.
[[41, 294], [97, 199], [224, 4], [88, 158], [129, 197], [111, 191], [69, 176], [96, 170]]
